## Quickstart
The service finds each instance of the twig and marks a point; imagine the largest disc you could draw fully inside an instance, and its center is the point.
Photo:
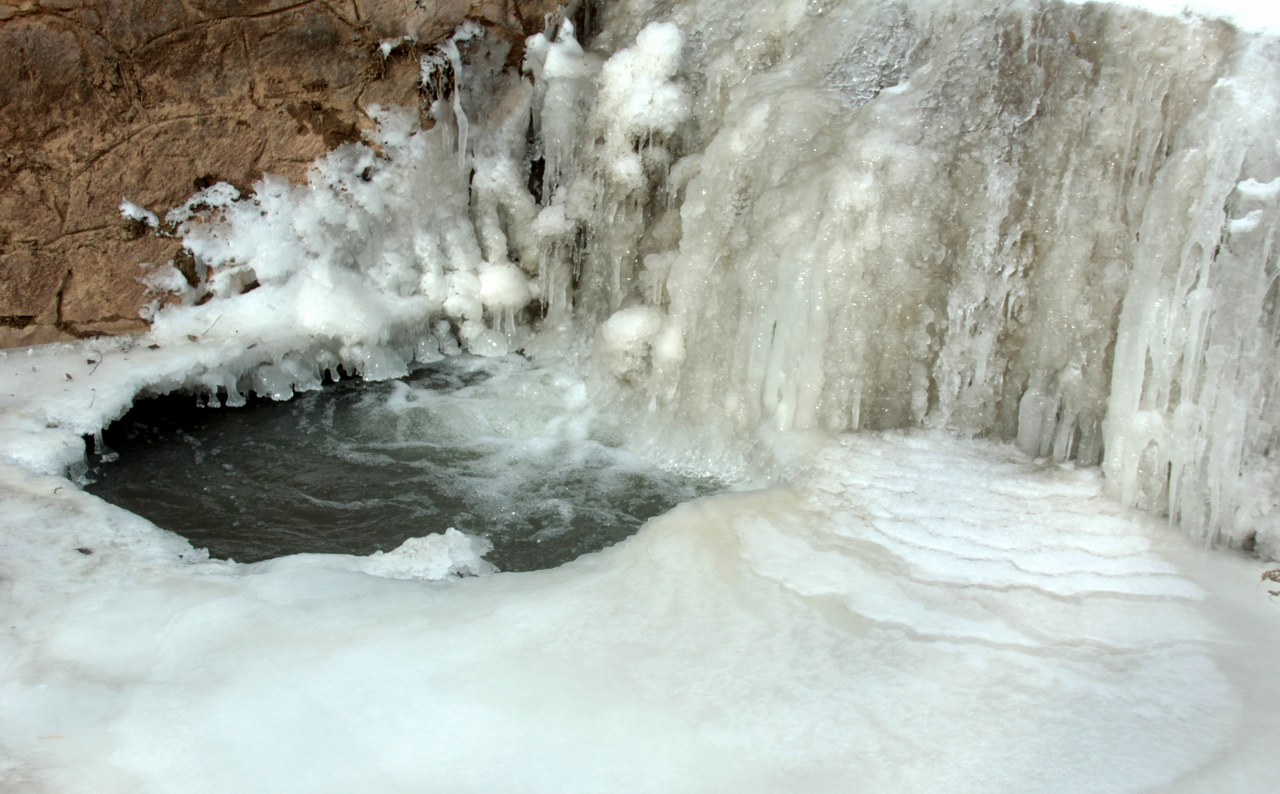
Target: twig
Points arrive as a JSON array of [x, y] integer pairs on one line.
[[1272, 576]]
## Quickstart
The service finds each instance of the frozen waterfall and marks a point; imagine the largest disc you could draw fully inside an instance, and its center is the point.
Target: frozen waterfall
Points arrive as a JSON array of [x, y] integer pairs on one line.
[[1040, 221], [1043, 222], [852, 251]]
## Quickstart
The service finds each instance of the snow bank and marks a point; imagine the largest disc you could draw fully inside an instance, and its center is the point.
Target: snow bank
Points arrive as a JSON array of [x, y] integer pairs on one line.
[[915, 613]]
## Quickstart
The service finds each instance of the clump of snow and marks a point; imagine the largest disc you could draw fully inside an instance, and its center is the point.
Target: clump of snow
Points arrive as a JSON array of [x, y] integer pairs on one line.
[[388, 46], [626, 339], [637, 89], [136, 213], [215, 197], [640, 104], [437, 557], [503, 288]]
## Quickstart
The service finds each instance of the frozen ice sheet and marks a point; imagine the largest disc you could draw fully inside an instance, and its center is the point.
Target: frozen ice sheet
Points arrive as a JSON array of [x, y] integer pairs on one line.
[[791, 639]]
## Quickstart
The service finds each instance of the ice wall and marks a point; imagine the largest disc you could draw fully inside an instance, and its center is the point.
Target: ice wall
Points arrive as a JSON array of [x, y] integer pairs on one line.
[[1038, 221], [1044, 222]]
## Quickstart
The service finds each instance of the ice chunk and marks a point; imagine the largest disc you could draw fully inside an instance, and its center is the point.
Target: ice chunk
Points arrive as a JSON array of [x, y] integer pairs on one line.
[[432, 558]]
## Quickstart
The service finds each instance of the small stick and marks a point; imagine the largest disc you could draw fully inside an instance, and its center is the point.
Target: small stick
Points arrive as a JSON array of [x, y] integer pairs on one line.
[[1272, 576]]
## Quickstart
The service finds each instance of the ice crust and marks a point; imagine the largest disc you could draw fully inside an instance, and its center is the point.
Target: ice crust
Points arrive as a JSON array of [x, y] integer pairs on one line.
[[759, 226], [864, 627], [430, 558]]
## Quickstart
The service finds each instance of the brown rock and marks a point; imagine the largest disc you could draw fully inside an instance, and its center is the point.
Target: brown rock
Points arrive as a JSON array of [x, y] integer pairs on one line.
[[29, 287], [153, 99], [93, 290]]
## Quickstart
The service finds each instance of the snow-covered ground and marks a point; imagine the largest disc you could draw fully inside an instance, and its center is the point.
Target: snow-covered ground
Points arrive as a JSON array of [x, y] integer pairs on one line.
[[914, 612]]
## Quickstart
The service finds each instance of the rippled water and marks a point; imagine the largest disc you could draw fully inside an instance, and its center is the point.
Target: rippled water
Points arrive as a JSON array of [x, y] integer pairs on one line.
[[497, 448]]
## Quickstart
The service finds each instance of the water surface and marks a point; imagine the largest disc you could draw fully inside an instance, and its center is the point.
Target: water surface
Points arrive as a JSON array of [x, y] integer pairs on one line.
[[496, 448]]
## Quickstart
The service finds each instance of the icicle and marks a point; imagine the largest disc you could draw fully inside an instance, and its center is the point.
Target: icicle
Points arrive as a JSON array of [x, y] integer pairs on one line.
[[459, 114]]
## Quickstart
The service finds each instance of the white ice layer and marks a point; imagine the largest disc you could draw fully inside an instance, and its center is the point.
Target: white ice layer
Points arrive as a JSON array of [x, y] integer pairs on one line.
[[915, 613]]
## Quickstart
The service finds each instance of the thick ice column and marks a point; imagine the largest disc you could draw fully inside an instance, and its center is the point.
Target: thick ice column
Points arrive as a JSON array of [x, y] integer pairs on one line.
[[1194, 413], [925, 221], [564, 76]]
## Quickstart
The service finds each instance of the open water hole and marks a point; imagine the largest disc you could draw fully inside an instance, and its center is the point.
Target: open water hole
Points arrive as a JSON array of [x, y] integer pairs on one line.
[[496, 448]]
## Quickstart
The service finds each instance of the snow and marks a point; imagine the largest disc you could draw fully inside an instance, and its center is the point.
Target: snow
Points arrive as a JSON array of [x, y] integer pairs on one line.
[[626, 338], [800, 220], [430, 558], [913, 611], [216, 196], [133, 212], [1246, 14]]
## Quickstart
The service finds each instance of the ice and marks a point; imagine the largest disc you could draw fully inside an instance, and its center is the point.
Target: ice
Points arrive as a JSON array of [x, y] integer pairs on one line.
[[637, 95], [563, 76], [378, 242], [430, 558], [765, 641], [503, 288], [627, 337], [912, 267], [214, 197], [1020, 242], [1248, 14]]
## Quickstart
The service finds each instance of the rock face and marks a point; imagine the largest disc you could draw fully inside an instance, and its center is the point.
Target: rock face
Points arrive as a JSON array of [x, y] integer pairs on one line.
[[152, 100]]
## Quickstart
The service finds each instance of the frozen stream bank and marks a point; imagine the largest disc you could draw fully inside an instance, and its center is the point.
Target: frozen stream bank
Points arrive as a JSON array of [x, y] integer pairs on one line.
[[915, 613]]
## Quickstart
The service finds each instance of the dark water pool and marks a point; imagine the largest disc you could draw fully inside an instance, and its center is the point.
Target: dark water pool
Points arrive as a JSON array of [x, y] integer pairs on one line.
[[498, 449]]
